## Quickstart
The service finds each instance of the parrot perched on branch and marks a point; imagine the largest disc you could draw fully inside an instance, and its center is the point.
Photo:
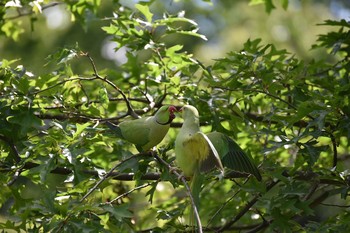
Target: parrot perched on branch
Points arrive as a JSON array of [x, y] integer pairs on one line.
[[193, 150], [196, 152], [146, 132]]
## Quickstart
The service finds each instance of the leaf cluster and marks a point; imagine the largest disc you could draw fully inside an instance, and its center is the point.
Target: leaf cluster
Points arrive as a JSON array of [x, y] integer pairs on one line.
[[291, 116]]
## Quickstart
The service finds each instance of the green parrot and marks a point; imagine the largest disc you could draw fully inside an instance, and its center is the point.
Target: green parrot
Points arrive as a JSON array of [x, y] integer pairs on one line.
[[146, 132], [196, 152]]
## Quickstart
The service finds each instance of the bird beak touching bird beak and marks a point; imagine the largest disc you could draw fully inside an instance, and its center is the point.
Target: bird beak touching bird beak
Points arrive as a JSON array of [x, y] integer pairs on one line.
[[172, 110], [178, 111]]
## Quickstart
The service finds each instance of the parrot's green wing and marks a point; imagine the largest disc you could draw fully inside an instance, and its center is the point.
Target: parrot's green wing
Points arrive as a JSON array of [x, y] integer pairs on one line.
[[213, 158], [115, 128], [135, 131], [232, 156], [203, 151]]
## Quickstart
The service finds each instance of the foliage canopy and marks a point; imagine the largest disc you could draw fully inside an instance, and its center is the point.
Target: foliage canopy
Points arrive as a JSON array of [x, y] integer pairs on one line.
[[290, 115]]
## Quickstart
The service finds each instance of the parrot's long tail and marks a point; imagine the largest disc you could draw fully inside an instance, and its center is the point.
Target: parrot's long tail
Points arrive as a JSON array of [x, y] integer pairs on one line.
[[196, 186], [115, 128]]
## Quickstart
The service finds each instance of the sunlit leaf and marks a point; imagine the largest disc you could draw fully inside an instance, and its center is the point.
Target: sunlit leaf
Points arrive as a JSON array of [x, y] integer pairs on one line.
[[144, 9]]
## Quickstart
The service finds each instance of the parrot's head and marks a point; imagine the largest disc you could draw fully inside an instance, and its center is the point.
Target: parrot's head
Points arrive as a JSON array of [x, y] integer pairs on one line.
[[189, 113], [165, 115]]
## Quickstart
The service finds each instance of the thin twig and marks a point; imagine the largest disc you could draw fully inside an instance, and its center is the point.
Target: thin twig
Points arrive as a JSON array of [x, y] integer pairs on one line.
[[335, 151], [128, 104], [16, 157], [127, 193], [246, 208], [105, 177], [222, 207], [30, 12], [13, 148], [262, 92], [15, 176], [304, 176], [335, 205], [311, 192], [263, 225], [63, 82], [226, 202], [188, 190]]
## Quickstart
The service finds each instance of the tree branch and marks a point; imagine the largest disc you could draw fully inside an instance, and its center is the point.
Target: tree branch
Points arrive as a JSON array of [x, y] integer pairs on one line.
[[230, 199], [108, 174], [335, 151], [188, 190], [307, 176], [127, 193], [335, 205], [263, 225], [128, 104], [30, 12], [246, 208], [13, 148]]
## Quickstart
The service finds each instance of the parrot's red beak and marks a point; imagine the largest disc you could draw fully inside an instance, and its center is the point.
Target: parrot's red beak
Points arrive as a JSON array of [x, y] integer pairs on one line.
[[171, 110]]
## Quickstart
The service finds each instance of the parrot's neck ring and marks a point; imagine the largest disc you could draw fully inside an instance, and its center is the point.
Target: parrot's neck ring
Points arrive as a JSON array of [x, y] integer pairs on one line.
[[166, 123]]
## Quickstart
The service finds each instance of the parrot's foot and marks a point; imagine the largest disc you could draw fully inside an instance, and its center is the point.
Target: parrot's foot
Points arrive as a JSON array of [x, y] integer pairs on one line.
[[181, 177], [174, 170], [177, 172]]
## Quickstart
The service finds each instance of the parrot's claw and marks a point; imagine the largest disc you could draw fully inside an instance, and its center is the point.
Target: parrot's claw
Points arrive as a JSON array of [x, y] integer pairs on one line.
[[181, 177], [173, 169]]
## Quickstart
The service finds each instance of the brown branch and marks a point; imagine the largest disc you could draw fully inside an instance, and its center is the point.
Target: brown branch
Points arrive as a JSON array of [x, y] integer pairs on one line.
[[305, 176], [108, 174], [311, 192], [317, 201], [13, 148], [131, 111], [335, 151], [63, 82], [22, 14], [110, 99], [335, 205], [259, 91], [127, 193], [231, 198], [263, 225], [82, 118], [246, 208], [77, 117], [188, 190]]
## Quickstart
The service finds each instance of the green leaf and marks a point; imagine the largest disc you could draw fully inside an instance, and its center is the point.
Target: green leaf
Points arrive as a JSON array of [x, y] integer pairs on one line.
[[150, 192], [47, 167], [268, 4], [144, 9], [79, 129], [342, 23], [285, 4], [256, 2], [119, 211]]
